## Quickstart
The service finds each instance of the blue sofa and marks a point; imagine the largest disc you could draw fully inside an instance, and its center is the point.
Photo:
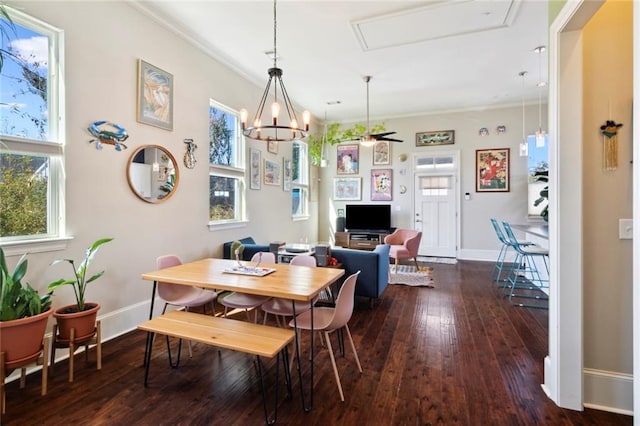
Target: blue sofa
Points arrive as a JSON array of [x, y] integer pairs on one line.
[[373, 265]]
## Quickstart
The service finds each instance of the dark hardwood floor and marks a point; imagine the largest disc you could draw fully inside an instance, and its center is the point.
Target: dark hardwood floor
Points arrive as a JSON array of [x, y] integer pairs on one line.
[[454, 354]]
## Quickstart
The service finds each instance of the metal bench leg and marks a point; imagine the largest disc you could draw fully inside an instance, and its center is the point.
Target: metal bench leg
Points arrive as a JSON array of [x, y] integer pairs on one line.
[[267, 419], [177, 356], [147, 356]]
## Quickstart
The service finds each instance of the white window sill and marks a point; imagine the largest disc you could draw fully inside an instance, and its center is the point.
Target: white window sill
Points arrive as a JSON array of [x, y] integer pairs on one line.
[[217, 226], [300, 218], [13, 248]]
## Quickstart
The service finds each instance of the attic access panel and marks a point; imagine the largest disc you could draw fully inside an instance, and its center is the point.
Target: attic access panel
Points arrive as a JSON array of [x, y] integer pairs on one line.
[[434, 21]]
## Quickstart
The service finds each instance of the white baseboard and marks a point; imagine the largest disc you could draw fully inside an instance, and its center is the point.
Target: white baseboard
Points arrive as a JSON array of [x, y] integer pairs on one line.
[[547, 376], [484, 255], [608, 391]]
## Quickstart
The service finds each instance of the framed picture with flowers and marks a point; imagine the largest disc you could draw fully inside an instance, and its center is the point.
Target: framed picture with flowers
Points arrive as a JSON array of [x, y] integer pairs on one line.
[[381, 184]]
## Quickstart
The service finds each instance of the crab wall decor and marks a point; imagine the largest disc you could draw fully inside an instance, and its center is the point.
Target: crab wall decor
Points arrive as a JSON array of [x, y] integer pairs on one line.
[[113, 135]]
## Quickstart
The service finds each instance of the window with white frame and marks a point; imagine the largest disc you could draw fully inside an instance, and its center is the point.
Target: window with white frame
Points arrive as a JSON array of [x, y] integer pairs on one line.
[[31, 129], [300, 180], [226, 166]]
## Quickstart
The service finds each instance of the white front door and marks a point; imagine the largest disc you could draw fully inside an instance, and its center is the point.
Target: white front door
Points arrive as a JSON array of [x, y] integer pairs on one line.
[[435, 214]]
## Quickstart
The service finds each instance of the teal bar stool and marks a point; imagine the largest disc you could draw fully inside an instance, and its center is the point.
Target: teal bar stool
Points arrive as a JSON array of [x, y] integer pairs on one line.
[[500, 267], [524, 274]]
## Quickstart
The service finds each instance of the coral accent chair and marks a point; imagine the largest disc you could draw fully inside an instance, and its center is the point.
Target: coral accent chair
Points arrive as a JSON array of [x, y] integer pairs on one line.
[[404, 245]]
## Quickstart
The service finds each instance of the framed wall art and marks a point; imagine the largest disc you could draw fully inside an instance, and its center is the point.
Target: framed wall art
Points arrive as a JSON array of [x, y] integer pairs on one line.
[[347, 189], [381, 184], [492, 170], [439, 137], [348, 159], [271, 172], [286, 174], [255, 162], [155, 96], [381, 153], [272, 147]]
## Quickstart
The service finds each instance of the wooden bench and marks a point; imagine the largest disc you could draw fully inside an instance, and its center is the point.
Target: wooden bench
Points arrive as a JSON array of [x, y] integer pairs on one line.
[[255, 339]]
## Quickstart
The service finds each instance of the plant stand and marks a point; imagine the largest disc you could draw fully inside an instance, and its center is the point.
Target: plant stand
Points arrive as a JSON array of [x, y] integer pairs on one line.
[[23, 371], [72, 344]]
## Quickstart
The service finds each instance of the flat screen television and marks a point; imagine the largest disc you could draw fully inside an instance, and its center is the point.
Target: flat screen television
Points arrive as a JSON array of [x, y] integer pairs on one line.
[[368, 217]]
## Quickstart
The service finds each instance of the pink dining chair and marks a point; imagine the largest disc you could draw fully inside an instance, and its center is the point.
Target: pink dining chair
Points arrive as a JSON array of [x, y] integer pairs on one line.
[[327, 320], [244, 301], [404, 245], [182, 295], [282, 308]]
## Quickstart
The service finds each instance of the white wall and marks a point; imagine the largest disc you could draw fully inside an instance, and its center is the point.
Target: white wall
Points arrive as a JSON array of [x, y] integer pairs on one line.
[[607, 194], [478, 240], [104, 40]]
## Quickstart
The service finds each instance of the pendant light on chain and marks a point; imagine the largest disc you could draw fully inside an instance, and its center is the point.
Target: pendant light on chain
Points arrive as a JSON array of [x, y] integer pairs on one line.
[[540, 134], [524, 146], [272, 129]]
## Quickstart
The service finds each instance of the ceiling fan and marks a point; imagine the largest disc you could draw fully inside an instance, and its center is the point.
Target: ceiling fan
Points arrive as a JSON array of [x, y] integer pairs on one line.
[[369, 139]]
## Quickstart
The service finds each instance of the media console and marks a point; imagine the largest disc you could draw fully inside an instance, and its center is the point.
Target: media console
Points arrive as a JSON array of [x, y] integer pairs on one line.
[[360, 240]]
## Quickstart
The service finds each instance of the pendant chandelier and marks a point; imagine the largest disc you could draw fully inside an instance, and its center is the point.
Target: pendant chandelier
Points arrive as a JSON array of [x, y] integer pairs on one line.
[[273, 130], [540, 134], [524, 145]]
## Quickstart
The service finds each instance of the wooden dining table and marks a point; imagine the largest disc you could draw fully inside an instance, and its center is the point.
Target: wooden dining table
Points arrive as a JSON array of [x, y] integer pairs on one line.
[[292, 282]]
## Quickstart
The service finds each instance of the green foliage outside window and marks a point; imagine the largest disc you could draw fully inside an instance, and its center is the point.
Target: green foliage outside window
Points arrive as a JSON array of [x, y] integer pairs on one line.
[[23, 195], [220, 138]]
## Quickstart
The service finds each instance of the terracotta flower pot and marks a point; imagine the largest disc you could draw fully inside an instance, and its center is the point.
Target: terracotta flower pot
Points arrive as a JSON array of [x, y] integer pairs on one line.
[[22, 339], [83, 322]]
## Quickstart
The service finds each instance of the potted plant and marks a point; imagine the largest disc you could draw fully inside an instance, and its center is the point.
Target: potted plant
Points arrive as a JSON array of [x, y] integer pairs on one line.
[[80, 316], [23, 315], [543, 176], [332, 135]]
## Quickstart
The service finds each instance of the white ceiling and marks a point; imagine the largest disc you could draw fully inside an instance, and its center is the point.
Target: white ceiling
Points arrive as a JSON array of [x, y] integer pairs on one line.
[[423, 56]]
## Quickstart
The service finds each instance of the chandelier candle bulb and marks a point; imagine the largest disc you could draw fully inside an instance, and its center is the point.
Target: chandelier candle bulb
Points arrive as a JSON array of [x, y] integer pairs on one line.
[[275, 112], [306, 119], [243, 117]]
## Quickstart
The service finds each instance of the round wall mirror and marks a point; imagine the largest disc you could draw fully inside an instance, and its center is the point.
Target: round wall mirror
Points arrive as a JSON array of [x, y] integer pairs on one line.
[[153, 173]]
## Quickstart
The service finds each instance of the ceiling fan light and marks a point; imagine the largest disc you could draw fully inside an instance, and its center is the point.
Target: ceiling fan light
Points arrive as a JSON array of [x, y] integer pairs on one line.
[[367, 141]]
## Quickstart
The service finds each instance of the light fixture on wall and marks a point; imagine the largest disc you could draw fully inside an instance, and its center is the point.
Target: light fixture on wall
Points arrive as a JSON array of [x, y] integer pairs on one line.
[[524, 146], [540, 134], [275, 131]]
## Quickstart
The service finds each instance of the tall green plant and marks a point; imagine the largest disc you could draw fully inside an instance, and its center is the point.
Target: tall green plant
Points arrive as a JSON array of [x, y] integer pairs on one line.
[[18, 300], [543, 176], [80, 281]]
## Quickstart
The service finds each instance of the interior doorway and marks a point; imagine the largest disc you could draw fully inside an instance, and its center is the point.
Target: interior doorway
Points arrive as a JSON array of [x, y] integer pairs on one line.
[[435, 211]]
